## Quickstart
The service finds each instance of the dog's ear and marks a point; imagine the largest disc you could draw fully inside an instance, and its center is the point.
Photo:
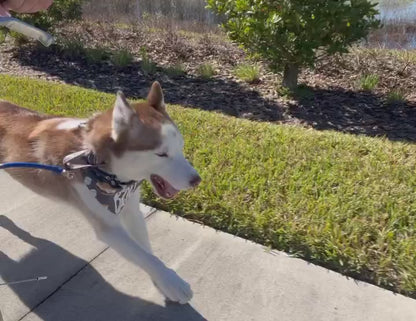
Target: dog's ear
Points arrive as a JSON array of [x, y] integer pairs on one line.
[[122, 116], [155, 97]]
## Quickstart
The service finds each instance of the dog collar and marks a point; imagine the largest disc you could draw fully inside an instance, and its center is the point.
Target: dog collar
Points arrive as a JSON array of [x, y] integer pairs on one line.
[[106, 188]]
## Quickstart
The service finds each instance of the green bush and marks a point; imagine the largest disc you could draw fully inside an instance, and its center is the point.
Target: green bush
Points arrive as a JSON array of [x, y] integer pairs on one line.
[[3, 34], [148, 66], [19, 39], [59, 11], [368, 82], [121, 58], [205, 71], [396, 96], [96, 55], [175, 70], [71, 47], [293, 34], [248, 73]]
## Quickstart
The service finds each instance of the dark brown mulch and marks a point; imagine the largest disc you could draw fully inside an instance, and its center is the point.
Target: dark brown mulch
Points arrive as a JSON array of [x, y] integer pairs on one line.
[[331, 100]]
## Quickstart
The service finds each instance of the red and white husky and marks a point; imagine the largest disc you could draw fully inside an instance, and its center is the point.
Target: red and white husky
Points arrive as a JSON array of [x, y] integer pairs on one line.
[[133, 142]]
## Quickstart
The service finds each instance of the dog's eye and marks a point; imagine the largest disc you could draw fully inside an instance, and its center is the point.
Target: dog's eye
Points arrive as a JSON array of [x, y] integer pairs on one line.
[[162, 154]]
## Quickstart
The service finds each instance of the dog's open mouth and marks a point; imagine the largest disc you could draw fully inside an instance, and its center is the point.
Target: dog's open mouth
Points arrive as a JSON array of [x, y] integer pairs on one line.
[[162, 186]]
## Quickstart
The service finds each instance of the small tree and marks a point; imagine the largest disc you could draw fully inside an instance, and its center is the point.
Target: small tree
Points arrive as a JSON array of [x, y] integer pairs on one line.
[[291, 34]]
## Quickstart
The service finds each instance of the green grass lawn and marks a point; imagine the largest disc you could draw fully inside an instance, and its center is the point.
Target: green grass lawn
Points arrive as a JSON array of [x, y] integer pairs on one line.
[[345, 202]]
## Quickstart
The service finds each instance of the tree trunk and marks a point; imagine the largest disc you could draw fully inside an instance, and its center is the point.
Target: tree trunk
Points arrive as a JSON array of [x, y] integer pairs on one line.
[[290, 76]]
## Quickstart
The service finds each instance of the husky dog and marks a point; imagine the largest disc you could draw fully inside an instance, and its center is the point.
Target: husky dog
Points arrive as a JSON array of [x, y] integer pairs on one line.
[[109, 154]]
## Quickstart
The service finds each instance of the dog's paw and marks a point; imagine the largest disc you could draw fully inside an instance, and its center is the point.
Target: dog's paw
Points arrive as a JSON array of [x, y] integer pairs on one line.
[[173, 287]]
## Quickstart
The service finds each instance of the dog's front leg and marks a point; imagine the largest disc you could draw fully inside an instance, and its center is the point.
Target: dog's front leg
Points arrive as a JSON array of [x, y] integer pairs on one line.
[[110, 230], [134, 223], [167, 281]]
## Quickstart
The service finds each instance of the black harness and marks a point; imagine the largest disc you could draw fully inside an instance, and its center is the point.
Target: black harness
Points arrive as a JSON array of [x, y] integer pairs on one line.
[[108, 189]]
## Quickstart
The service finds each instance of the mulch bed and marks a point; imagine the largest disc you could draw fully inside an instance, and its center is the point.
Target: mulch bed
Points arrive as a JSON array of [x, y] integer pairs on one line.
[[331, 100]]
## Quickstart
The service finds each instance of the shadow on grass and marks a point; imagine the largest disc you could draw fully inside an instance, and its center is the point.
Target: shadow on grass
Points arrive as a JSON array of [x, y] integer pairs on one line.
[[337, 109], [94, 298]]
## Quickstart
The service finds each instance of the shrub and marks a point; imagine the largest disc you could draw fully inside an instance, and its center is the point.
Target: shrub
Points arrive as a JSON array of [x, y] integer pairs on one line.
[[121, 58], [59, 11], [368, 82], [175, 70], [148, 66], [301, 92], [3, 34], [396, 96], [205, 71], [71, 47], [293, 34], [248, 73], [19, 39], [96, 55]]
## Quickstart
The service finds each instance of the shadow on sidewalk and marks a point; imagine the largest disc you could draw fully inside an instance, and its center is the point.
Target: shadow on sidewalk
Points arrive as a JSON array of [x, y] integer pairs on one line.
[[96, 299]]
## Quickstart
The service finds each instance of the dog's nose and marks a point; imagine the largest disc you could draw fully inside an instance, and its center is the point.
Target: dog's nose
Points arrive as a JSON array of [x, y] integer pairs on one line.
[[195, 181]]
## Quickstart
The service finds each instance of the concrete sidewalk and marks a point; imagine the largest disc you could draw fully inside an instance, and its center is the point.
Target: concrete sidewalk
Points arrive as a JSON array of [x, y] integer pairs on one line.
[[232, 279]]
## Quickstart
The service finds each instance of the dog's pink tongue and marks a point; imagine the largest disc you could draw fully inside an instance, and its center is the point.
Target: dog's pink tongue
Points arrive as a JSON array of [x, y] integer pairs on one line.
[[170, 191]]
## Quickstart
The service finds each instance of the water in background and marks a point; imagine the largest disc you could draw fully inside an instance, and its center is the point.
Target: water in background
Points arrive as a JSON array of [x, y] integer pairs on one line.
[[396, 11], [398, 17], [399, 20]]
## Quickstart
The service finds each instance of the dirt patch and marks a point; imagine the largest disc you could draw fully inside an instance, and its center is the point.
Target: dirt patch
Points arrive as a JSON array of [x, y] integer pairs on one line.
[[332, 99]]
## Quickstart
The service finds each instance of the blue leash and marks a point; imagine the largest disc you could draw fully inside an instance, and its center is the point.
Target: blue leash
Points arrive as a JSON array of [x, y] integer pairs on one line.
[[52, 168], [66, 170]]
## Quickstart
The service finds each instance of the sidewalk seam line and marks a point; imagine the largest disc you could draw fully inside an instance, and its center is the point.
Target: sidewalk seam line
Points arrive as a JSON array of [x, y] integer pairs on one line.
[[60, 286], [151, 212]]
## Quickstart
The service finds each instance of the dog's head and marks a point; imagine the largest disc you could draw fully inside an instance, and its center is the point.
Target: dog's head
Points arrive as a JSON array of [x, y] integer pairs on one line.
[[144, 143]]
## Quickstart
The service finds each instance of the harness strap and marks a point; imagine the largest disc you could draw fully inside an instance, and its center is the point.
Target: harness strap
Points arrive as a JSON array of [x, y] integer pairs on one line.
[[107, 189], [79, 160]]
